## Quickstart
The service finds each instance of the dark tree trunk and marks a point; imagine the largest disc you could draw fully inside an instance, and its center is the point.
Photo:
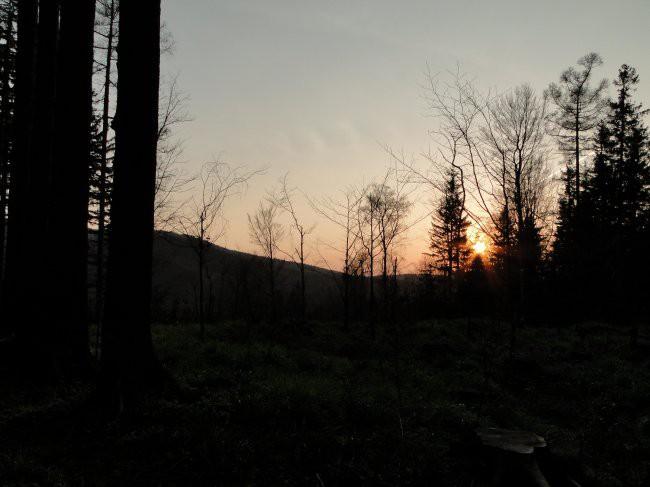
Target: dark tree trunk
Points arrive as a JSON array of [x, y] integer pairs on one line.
[[201, 287], [303, 287], [103, 189], [371, 307], [70, 181], [272, 289], [6, 132], [577, 155], [39, 335], [128, 361], [346, 302], [16, 278]]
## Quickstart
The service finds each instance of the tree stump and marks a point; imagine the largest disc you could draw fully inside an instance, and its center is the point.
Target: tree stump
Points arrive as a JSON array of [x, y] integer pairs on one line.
[[513, 456]]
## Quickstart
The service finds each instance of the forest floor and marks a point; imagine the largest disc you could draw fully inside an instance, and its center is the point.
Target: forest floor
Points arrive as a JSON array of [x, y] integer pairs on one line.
[[317, 406]]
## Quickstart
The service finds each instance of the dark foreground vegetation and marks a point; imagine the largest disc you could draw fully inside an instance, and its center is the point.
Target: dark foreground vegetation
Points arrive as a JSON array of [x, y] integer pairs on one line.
[[271, 405]]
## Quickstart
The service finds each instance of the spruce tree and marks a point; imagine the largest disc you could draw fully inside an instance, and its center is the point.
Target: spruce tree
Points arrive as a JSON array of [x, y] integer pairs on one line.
[[448, 232], [618, 201]]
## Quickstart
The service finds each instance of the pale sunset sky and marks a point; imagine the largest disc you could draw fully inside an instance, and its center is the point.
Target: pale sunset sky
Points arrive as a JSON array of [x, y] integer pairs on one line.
[[316, 88]]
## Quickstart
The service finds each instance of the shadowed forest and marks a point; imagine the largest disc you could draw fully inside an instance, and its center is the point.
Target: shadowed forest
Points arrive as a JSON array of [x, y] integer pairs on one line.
[[136, 348]]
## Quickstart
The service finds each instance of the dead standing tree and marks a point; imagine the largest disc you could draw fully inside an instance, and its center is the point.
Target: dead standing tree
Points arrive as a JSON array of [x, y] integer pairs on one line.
[[368, 239], [266, 233], [171, 178], [380, 222], [201, 221], [284, 199], [343, 213], [392, 209]]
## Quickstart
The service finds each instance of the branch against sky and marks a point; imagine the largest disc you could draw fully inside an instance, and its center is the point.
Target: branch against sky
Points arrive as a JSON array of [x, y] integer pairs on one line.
[[201, 215], [498, 144]]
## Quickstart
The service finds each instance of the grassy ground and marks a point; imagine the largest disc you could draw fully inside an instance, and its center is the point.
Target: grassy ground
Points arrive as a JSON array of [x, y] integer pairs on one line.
[[322, 407]]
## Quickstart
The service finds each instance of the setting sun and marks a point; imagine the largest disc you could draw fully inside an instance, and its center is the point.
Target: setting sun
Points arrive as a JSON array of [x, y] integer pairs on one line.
[[479, 247], [477, 240]]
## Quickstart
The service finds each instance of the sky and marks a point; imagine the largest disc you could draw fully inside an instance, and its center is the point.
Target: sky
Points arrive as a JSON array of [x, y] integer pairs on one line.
[[317, 88]]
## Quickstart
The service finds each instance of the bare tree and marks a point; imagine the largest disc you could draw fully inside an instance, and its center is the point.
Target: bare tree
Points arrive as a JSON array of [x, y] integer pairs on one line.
[[343, 213], [366, 222], [284, 198], [578, 108], [201, 220], [381, 219], [172, 179], [393, 207], [266, 233]]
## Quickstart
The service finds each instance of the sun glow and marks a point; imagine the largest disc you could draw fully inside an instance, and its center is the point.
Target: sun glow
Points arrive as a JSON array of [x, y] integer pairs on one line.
[[477, 240], [479, 247]]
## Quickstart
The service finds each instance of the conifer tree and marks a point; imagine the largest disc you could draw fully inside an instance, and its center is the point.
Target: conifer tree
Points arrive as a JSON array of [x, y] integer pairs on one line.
[[448, 232], [618, 197], [106, 34], [578, 109]]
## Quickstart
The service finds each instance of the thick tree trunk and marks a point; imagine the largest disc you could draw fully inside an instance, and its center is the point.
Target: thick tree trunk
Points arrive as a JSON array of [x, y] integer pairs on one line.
[[70, 180], [16, 279], [40, 335], [128, 360], [5, 133]]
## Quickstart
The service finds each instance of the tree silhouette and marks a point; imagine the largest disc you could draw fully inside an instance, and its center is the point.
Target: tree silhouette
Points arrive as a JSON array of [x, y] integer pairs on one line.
[[448, 232], [266, 233], [201, 219], [283, 198], [127, 359], [8, 11], [102, 172], [69, 196], [342, 213], [578, 109], [618, 202]]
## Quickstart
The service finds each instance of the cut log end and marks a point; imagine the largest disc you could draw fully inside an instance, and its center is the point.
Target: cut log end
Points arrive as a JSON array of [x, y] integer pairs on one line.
[[523, 442]]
